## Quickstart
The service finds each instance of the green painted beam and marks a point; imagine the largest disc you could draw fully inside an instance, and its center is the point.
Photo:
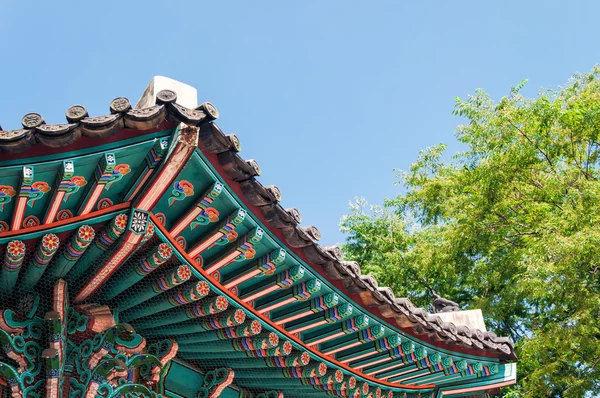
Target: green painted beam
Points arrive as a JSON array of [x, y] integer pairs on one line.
[[72, 251], [202, 308], [11, 267], [187, 293], [45, 250], [208, 328], [128, 277]]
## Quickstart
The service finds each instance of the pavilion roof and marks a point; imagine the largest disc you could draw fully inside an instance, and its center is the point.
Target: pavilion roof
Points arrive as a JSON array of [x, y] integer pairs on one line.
[[140, 133]]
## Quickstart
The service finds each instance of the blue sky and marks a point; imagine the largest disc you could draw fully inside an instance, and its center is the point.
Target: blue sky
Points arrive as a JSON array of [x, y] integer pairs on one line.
[[328, 96]]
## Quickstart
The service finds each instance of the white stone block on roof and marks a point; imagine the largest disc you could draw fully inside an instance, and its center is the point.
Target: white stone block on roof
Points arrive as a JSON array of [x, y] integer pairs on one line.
[[471, 318], [186, 95]]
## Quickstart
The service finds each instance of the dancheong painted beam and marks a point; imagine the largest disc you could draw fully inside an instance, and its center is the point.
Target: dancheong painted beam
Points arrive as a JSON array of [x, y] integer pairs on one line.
[[141, 256]]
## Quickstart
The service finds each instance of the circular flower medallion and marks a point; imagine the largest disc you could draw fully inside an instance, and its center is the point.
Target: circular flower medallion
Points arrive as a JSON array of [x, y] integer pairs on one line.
[[339, 376], [304, 358], [322, 368], [273, 339], [164, 251], [255, 327], [239, 316], [86, 233], [183, 272], [16, 248], [202, 288], [287, 348], [221, 303], [121, 222], [365, 388], [50, 242], [352, 382]]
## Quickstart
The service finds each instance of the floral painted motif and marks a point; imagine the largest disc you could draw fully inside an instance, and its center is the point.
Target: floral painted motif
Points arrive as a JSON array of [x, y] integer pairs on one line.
[[181, 190], [118, 173], [365, 388], [139, 222], [16, 248], [6, 194], [256, 327], [352, 382], [202, 288], [273, 339], [64, 214], [239, 316], [86, 233], [305, 358], [339, 376], [221, 303], [164, 251], [322, 369], [121, 221], [3, 226], [184, 272], [287, 348], [35, 192], [71, 186], [50, 242]]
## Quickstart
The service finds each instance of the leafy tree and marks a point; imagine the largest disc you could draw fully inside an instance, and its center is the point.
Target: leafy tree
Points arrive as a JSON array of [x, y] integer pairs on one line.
[[511, 225]]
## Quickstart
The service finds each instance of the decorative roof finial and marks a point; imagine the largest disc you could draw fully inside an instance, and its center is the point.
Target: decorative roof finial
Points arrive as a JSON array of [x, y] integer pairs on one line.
[[441, 304]]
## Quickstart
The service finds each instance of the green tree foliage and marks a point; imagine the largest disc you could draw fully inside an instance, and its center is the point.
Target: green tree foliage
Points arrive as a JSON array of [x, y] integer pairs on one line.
[[511, 225]]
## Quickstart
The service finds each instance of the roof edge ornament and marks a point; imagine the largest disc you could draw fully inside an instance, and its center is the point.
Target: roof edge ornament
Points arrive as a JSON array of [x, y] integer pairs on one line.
[[186, 95], [441, 304]]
